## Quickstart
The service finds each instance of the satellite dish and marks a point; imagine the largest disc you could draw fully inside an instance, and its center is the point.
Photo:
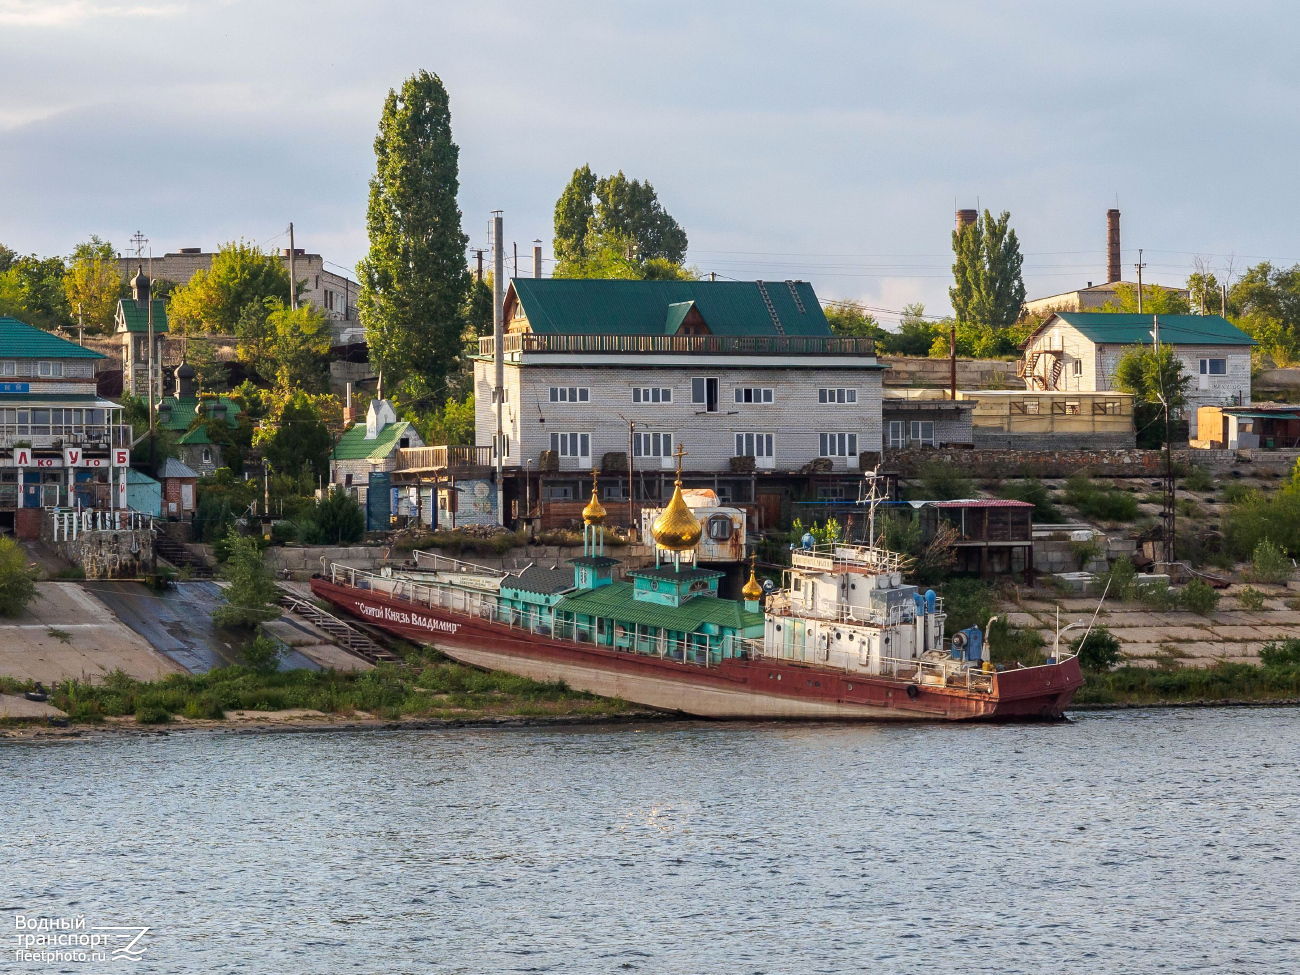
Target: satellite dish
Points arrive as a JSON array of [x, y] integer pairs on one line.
[[768, 585]]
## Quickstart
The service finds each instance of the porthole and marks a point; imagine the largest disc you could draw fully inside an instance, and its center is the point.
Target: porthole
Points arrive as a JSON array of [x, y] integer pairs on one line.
[[853, 585], [778, 627], [849, 686], [778, 676], [838, 636]]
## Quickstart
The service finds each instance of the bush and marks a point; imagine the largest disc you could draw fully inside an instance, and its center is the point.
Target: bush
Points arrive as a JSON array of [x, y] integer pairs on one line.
[[17, 580], [1235, 491], [1035, 492], [336, 520], [1199, 597], [1157, 595], [1120, 578], [967, 602], [1268, 564], [1251, 598], [1085, 552], [284, 532], [152, 714], [1198, 479], [1097, 650], [1104, 502], [944, 482], [262, 655], [251, 596], [1285, 654]]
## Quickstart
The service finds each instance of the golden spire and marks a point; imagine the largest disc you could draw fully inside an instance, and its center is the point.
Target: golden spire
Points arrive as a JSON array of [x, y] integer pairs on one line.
[[676, 529], [752, 592], [594, 513]]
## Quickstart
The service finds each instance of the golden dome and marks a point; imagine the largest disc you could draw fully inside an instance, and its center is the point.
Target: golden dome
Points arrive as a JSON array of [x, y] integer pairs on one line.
[[676, 529], [752, 592], [594, 513]]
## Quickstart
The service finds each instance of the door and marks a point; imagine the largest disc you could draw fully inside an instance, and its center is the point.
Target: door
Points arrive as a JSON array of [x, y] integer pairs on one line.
[[704, 393], [187, 497]]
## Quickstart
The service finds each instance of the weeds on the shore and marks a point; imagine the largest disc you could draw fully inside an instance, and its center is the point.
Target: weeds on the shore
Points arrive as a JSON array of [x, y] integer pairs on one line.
[[428, 686], [1222, 682]]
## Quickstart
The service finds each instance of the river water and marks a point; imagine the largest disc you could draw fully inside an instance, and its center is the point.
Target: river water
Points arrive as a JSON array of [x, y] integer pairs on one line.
[[1155, 841]]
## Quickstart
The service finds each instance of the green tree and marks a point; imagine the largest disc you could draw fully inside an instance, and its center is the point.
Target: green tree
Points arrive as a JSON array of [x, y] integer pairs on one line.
[[301, 439], [1098, 649], [7, 258], [214, 300], [31, 289], [850, 321], [478, 306], [287, 346], [17, 580], [915, 333], [93, 284], [414, 281], [1156, 300], [1266, 302], [252, 596], [988, 288], [337, 520], [91, 248], [451, 424], [616, 227], [1156, 379]]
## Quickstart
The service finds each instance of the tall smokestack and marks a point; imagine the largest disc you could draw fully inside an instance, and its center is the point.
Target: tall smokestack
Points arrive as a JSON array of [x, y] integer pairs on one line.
[[537, 258], [965, 218], [1112, 246]]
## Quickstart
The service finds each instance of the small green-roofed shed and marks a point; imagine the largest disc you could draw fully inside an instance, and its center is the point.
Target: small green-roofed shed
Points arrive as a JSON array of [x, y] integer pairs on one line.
[[18, 340], [704, 614], [353, 445]]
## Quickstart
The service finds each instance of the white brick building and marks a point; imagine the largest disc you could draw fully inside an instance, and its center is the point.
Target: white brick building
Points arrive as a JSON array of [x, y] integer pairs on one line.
[[1080, 351]]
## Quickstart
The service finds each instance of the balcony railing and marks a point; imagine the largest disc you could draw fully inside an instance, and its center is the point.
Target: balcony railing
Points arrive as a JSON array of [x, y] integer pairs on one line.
[[439, 458], [782, 345], [71, 435]]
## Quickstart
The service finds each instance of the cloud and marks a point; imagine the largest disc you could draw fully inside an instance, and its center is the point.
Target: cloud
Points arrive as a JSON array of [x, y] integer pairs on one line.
[[74, 13]]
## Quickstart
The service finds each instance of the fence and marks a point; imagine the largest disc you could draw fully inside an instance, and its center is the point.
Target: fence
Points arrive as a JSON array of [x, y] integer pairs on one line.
[[682, 344]]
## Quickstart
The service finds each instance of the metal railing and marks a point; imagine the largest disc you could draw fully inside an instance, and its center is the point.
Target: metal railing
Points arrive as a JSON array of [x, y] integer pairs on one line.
[[70, 523], [441, 457], [437, 562], [837, 555], [683, 344], [73, 435]]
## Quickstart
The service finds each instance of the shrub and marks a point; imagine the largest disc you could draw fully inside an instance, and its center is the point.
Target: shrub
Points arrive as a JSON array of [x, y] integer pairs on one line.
[[944, 482], [17, 580], [262, 655], [967, 602], [1085, 552], [1120, 578], [1098, 649], [284, 532], [1251, 598], [1235, 491], [152, 714], [1268, 564], [1285, 654], [252, 595], [1198, 479], [1199, 597], [336, 520], [1157, 595], [1104, 502], [1035, 492]]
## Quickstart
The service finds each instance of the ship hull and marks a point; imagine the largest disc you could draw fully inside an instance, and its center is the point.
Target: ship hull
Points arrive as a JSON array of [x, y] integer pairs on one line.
[[736, 689]]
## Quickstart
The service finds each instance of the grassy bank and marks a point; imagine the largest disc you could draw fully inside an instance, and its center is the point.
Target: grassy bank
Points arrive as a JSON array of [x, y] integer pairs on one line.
[[429, 686], [1222, 682]]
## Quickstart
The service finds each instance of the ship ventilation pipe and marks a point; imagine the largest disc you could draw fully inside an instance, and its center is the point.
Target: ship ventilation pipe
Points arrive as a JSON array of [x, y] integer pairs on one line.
[[929, 600], [920, 603], [984, 653]]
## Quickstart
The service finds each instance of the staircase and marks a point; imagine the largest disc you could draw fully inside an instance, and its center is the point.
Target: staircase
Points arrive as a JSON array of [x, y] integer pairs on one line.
[[180, 556], [344, 634], [1058, 366]]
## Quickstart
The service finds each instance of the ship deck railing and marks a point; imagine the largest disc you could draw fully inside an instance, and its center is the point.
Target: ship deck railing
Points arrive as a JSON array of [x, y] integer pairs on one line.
[[698, 649], [847, 557], [781, 603], [939, 673], [437, 562]]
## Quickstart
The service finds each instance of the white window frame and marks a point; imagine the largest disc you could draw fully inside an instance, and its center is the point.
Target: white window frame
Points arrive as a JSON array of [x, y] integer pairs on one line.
[[652, 394], [570, 394], [505, 444], [8, 368], [1207, 367], [655, 444], [838, 445], [569, 446], [49, 369], [700, 392], [760, 446], [897, 434], [1078, 367], [918, 433], [839, 395], [754, 395]]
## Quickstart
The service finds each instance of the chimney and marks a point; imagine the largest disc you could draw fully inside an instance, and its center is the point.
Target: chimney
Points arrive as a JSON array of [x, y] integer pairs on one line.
[[1112, 246], [348, 416], [537, 258], [965, 218]]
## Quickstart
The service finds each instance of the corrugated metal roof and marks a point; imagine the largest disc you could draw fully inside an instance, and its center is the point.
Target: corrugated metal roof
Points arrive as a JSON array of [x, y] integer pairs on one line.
[[353, 445], [972, 503], [174, 468], [581, 306], [137, 316], [18, 340], [615, 601], [183, 411], [1109, 329], [541, 580]]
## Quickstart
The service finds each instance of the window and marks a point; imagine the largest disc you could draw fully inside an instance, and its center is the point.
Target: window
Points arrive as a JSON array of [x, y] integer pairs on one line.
[[897, 434], [837, 395], [652, 445], [923, 432], [570, 394], [505, 395], [1031, 406], [1078, 367], [704, 392], [559, 492], [839, 445], [571, 445], [8, 368], [756, 445], [720, 528], [752, 394], [46, 368], [1214, 367], [505, 446], [829, 492], [207, 455], [652, 394]]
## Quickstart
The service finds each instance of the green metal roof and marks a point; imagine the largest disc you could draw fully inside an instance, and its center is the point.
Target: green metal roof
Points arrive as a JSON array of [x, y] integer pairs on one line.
[[1110, 329], [615, 602], [18, 340], [199, 435], [137, 316], [183, 411], [584, 306], [353, 445]]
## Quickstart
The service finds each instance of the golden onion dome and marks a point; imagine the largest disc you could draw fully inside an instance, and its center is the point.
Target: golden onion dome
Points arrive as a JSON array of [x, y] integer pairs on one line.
[[594, 513], [676, 529], [752, 592]]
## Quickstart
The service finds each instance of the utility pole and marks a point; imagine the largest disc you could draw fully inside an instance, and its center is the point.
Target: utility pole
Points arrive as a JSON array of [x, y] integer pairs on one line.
[[1223, 300], [1169, 513], [498, 354], [1140, 266], [479, 254], [293, 276], [153, 407], [515, 245], [81, 327], [631, 478], [952, 361]]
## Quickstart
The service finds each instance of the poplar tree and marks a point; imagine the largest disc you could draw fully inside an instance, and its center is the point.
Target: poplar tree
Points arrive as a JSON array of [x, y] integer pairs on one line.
[[988, 289], [414, 281]]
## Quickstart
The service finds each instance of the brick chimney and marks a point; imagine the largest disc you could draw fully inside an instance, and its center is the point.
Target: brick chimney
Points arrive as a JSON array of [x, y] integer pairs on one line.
[[965, 218], [1112, 247]]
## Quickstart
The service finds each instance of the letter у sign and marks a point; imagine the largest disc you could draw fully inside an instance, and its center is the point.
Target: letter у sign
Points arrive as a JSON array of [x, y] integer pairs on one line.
[[76, 457]]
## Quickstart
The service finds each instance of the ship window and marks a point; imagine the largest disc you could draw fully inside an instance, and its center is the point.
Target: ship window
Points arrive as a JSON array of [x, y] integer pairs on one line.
[[719, 528]]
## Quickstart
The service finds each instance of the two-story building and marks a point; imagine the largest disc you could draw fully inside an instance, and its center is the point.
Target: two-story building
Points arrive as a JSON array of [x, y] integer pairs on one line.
[[1079, 351], [746, 375], [132, 325], [61, 445]]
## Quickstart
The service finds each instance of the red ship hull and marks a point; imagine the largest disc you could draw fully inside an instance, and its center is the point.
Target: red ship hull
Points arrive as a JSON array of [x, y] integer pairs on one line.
[[737, 688]]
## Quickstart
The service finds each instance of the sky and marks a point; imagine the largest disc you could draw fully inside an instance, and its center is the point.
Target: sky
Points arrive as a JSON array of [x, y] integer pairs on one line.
[[826, 141]]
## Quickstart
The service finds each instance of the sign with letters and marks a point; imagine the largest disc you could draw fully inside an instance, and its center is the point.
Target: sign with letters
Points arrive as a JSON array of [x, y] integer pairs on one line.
[[121, 457], [15, 387], [23, 458]]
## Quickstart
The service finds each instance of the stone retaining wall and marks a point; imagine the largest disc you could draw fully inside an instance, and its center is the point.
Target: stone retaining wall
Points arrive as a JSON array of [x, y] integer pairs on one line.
[[936, 373], [1097, 463]]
